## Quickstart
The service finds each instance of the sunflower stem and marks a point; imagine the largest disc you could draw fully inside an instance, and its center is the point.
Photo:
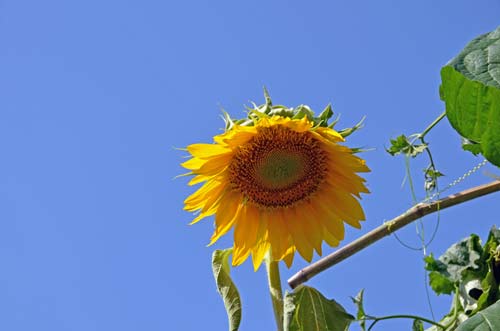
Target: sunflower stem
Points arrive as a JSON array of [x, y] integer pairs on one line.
[[275, 289]]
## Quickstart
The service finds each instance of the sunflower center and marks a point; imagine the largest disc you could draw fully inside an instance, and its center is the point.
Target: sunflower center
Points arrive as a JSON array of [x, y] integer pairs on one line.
[[278, 167]]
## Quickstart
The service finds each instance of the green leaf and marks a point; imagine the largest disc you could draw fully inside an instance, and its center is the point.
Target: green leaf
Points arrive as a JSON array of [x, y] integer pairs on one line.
[[402, 145], [360, 315], [431, 176], [418, 325], [226, 287], [471, 91], [471, 146], [458, 263], [485, 320], [490, 283], [306, 309]]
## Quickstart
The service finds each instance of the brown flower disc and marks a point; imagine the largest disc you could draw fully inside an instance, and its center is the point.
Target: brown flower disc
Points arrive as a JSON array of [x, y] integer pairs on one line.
[[278, 167]]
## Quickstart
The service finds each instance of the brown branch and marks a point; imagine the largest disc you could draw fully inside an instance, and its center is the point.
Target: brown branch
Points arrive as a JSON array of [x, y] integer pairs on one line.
[[412, 214]]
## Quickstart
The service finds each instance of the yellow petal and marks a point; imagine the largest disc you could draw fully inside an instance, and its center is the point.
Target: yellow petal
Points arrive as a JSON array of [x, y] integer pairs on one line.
[[226, 215], [202, 215], [240, 254], [236, 137], [198, 199], [343, 157], [259, 252], [278, 235], [349, 182], [311, 226], [198, 179], [303, 246], [330, 134], [193, 163], [207, 167], [288, 257], [330, 240], [246, 227], [346, 207], [331, 221], [262, 245], [203, 151]]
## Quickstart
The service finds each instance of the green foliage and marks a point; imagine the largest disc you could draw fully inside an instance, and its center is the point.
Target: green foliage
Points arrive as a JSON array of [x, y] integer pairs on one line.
[[360, 315], [226, 287], [306, 309], [485, 320], [472, 273], [406, 146], [402, 145], [457, 264], [490, 283], [418, 325], [431, 176], [471, 91]]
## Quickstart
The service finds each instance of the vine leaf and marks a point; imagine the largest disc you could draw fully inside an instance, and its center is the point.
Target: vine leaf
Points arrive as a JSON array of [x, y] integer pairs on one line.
[[471, 91], [226, 287], [485, 320], [360, 315], [455, 265], [470, 270], [306, 309], [402, 145]]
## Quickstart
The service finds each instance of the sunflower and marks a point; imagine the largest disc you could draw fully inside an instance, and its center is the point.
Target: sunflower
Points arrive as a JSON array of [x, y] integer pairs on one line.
[[280, 179]]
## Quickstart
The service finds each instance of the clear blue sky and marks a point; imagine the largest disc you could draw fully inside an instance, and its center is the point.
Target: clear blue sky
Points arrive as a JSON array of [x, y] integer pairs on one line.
[[95, 95]]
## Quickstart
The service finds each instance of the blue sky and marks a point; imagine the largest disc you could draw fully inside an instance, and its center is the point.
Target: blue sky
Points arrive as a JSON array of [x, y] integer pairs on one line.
[[96, 95]]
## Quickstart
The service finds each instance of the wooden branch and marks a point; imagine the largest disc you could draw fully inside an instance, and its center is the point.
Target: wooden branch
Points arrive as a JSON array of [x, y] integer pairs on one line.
[[412, 214]]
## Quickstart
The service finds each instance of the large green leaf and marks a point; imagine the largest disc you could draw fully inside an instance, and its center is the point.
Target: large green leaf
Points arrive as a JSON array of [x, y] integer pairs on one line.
[[455, 265], [485, 320], [306, 309], [226, 287], [471, 90]]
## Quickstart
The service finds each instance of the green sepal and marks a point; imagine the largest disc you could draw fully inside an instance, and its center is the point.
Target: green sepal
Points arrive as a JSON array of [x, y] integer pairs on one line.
[[326, 114], [268, 109], [348, 131]]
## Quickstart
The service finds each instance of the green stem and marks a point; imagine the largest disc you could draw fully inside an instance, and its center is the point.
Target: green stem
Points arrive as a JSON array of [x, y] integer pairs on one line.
[[456, 302], [433, 124], [274, 281], [405, 316]]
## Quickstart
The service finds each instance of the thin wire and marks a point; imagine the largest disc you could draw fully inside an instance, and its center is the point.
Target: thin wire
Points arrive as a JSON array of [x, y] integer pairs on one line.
[[458, 180], [436, 195], [421, 232]]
